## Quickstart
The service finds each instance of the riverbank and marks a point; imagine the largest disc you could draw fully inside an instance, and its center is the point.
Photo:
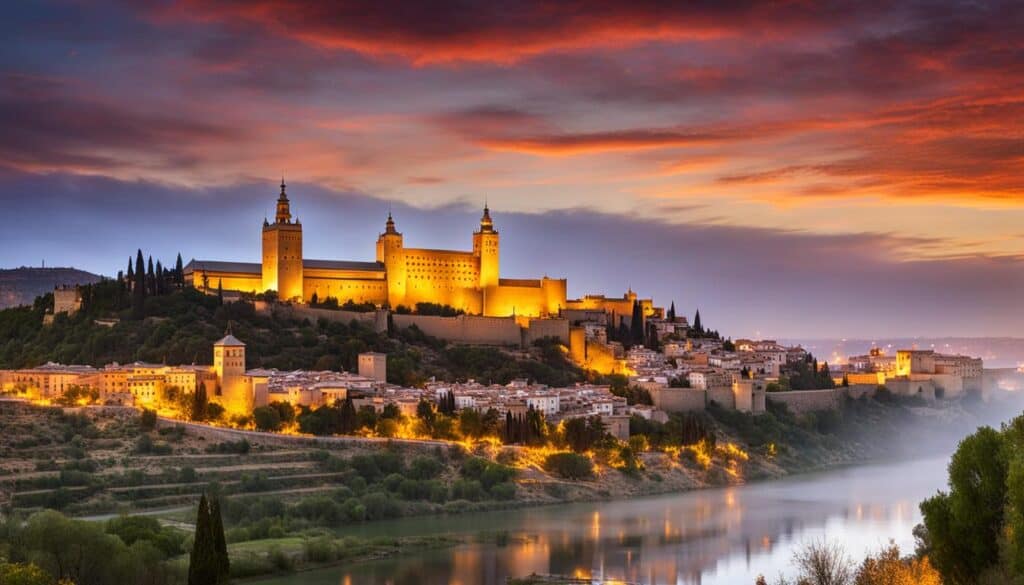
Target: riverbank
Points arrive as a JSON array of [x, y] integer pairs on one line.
[[292, 498]]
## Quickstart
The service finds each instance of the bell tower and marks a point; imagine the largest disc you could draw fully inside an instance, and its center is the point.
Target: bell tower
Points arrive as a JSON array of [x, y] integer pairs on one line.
[[390, 253], [282, 252], [485, 248]]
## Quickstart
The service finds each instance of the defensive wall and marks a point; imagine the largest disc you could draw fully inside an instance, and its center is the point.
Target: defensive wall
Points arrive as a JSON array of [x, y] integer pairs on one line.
[[479, 330], [474, 329], [378, 320], [801, 401]]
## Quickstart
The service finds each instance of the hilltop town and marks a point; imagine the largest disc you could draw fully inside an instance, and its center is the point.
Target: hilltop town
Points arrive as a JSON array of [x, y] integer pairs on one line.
[[663, 362], [313, 392]]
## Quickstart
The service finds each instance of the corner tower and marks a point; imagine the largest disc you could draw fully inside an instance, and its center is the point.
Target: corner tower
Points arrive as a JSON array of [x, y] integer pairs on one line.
[[282, 252], [391, 254], [485, 248]]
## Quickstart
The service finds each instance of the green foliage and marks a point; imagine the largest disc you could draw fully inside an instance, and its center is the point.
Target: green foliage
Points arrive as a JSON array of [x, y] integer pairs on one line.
[[964, 525], [23, 574], [438, 309], [266, 418], [585, 433], [569, 465], [147, 420], [132, 529], [488, 473]]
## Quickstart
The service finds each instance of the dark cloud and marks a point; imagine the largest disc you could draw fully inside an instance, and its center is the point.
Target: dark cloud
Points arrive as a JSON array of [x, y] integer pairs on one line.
[[509, 31], [49, 125]]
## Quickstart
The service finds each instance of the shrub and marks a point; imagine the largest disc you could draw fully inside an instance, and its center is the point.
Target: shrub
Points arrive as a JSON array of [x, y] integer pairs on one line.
[[504, 491], [319, 550], [425, 468], [569, 465], [354, 510], [380, 505], [147, 420], [468, 489]]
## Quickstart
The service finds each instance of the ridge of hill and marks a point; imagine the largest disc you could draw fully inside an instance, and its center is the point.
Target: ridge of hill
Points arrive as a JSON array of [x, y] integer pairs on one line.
[[21, 286]]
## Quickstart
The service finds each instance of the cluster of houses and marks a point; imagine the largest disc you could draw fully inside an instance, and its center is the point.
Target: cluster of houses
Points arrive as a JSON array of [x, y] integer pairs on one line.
[[681, 366]]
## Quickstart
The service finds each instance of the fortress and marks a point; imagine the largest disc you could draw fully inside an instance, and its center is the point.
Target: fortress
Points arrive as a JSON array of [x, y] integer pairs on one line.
[[466, 280]]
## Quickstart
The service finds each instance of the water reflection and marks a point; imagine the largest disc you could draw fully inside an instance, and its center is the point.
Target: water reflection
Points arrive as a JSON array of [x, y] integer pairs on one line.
[[708, 537]]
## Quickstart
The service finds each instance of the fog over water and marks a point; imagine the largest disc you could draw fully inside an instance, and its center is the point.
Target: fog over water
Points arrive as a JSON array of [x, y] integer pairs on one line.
[[717, 536]]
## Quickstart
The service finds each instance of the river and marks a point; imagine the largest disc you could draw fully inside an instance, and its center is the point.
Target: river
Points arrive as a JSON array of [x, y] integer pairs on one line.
[[708, 537]]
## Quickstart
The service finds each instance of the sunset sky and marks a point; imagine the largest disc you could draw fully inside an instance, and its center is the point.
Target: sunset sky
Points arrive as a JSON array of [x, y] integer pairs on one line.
[[792, 168]]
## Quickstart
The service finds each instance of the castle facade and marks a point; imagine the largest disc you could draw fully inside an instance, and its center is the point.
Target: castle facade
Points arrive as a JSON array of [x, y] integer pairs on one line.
[[466, 280]]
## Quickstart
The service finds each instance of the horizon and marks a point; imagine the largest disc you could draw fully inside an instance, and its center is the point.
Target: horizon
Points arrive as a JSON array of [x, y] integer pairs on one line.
[[791, 171]]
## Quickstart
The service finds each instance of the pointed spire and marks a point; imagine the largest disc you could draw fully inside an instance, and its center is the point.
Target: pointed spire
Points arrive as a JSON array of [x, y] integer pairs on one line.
[[486, 224], [284, 214], [389, 225]]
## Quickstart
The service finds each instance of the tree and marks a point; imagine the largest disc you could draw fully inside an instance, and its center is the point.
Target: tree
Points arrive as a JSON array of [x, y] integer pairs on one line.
[[199, 403], [672, 312], [697, 327], [179, 272], [220, 544], [158, 283], [203, 565], [314, 300], [220, 291], [266, 418], [147, 421], [150, 279], [139, 288], [887, 568], [636, 326], [823, 563], [963, 526]]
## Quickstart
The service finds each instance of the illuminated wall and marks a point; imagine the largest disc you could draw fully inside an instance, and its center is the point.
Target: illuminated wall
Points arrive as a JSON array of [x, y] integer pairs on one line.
[[251, 283], [446, 277]]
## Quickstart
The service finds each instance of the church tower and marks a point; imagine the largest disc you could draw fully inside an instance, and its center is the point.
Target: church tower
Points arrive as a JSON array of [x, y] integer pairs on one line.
[[391, 254], [485, 247], [234, 394], [282, 252]]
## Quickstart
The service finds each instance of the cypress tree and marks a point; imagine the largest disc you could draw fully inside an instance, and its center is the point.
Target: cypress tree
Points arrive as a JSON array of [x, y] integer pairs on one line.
[[696, 323], [150, 279], [199, 401], [623, 335], [139, 288], [672, 311], [220, 291], [131, 273], [179, 272], [202, 566], [220, 544], [159, 282], [636, 327]]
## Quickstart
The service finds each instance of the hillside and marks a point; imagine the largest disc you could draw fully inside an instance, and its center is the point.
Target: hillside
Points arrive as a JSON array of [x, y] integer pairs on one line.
[[20, 286], [179, 327]]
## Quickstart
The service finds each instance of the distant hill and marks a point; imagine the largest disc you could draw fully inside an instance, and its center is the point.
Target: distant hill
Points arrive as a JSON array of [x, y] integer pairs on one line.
[[20, 286]]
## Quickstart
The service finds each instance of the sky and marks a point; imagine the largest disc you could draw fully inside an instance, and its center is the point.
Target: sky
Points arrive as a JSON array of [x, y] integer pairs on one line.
[[792, 168]]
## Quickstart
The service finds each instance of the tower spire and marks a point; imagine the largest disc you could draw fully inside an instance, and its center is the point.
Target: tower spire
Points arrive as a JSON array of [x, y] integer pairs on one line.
[[284, 213], [486, 224]]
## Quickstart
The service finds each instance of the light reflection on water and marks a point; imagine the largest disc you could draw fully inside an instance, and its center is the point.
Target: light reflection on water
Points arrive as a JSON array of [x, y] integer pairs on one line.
[[710, 537]]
